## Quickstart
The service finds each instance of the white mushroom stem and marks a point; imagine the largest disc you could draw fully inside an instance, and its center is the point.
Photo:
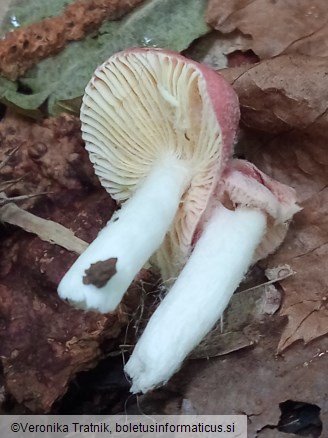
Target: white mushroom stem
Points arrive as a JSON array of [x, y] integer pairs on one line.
[[132, 236], [198, 298]]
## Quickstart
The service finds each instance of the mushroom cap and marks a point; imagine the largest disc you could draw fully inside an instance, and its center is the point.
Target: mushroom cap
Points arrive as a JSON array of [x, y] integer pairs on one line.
[[142, 105], [246, 186]]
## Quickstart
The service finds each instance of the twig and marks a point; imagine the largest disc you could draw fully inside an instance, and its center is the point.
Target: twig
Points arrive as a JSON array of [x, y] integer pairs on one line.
[[11, 153], [274, 280], [46, 230], [4, 200]]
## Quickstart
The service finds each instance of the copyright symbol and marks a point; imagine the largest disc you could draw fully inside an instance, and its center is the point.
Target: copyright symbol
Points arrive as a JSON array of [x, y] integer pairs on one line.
[[15, 427]]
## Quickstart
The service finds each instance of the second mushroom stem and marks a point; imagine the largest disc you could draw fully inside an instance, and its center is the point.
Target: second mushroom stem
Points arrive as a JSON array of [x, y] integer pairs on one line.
[[129, 239], [199, 296]]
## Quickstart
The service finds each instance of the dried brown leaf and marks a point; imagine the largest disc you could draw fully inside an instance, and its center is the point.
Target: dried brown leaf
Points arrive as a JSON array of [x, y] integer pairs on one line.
[[306, 293], [283, 93], [239, 325], [299, 158], [255, 381], [220, 344], [284, 102], [298, 27]]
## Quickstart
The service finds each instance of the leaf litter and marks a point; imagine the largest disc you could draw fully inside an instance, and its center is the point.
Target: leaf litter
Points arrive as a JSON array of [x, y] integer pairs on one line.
[[284, 120], [298, 27], [284, 125], [290, 102]]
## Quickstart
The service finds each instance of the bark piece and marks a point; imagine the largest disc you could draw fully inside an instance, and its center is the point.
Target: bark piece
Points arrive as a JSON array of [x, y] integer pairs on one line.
[[52, 86]]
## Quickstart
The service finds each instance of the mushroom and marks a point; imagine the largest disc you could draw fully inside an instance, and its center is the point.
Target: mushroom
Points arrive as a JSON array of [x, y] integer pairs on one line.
[[247, 220], [159, 129]]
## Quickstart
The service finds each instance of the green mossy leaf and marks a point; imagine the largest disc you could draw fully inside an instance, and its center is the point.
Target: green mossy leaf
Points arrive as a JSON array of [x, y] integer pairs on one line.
[[24, 12], [169, 24]]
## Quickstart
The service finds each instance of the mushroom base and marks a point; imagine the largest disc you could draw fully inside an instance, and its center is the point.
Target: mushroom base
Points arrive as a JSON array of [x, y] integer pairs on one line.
[[198, 298]]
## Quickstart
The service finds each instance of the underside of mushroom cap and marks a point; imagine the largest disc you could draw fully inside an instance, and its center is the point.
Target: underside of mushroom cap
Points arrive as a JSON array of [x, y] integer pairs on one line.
[[143, 105], [246, 186]]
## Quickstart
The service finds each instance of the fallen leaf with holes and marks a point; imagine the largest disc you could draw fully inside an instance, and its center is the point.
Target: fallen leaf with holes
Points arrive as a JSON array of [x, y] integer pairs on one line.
[[298, 27]]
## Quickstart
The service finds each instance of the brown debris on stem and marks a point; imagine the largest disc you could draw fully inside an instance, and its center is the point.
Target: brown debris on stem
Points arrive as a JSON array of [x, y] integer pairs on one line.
[[100, 272], [22, 48]]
